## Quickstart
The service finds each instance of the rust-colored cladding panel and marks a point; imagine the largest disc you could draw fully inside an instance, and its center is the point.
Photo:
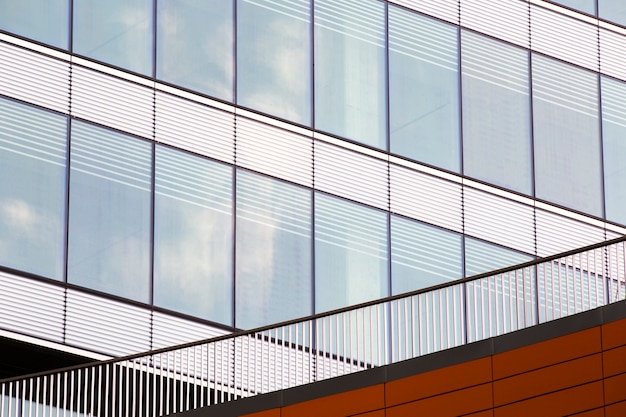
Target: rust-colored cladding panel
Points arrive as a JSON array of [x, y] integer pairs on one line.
[[438, 381], [549, 379], [547, 353], [561, 403], [614, 361], [615, 389], [452, 404], [615, 410], [614, 334], [340, 405]]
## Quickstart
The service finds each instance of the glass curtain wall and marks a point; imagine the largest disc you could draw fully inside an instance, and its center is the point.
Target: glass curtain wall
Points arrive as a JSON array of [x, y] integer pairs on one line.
[[613, 10], [119, 32], [351, 262], [568, 168], [422, 255], [423, 89], [45, 21], [350, 99], [32, 189], [614, 142], [274, 57], [273, 251], [193, 229], [110, 212], [496, 113], [195, 45]]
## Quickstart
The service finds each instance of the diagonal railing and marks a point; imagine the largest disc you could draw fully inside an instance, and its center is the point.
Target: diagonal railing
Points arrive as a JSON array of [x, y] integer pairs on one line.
[[322, 346]]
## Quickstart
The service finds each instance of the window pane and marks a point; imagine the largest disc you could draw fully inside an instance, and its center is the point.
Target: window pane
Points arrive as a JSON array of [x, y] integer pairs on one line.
[[118, 32], [195, 45], [424, 89], [109, 230], [613, 10], [32, 189], [496, 113], [587, 6], [274, 57], [567, 135], [45, 21], [423, 255], [193, 250], [273, 260], [614, 140], [350, 69], [351, 263], [485, 257]]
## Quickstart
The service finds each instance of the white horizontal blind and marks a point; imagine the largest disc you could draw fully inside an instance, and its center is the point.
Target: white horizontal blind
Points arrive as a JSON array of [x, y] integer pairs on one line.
[[447, 10], [426, 198], [31, 307], [351, 175], [274, 151], [574, 41], [34, 78], [556, 233], [107, 326], [499, 220], [612, 52], [503, 19], [112, 102], [195, 127]]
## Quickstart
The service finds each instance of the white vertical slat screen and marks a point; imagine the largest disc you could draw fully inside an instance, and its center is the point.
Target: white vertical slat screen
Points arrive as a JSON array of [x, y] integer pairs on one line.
[[564, 37], [447, 10], [195, 127], [499, 220], [556, 233], [612, 53], [274, 151], [426, 198], [112, 102], [503, 19], [31, 307], [107, 326], [352, 175], [170, 330], [34, 78]]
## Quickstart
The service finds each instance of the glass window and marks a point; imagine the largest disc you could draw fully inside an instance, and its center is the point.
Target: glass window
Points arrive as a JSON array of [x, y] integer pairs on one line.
[[613, 10], [485, 257], [45, 21], [193, 249], [424, 89], [350, 69], [422, 255], [351, 262], [33, 147], [587, 6], [118, 32], [566, 135], [195, 45], [614, 141], [496, 113], [273, 256], [109, 227], [274, 57]]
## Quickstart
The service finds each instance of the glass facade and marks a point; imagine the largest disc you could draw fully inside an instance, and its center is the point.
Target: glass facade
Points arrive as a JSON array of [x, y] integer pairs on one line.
[[162, 221]]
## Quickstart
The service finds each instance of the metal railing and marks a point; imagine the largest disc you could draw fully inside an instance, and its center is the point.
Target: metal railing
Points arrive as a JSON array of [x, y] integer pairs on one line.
[[326, 345]]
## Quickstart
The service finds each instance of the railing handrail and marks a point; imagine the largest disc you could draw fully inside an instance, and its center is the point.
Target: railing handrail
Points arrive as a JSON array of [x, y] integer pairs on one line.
[[318, 316]]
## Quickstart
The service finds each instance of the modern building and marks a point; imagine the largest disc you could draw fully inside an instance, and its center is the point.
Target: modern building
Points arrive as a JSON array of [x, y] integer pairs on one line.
[[173, 170]]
